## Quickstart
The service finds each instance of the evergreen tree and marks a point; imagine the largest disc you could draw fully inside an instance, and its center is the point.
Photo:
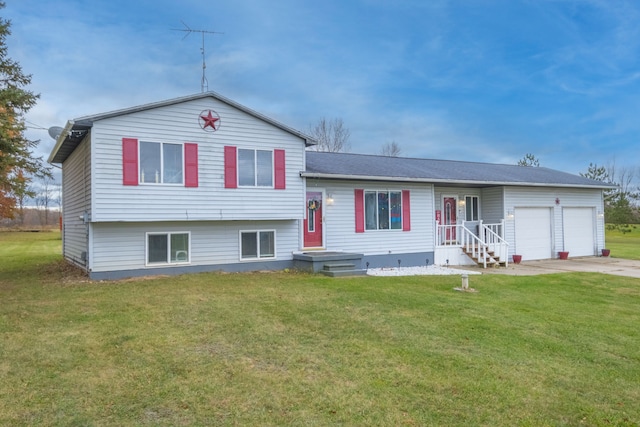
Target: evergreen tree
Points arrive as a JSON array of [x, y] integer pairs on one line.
[[16, 157], [529, 160]]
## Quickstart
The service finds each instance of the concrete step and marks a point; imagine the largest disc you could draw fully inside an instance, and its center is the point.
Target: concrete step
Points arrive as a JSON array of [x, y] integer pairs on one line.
[[344, 273], [338, 266], [317, 262], [341, 269]]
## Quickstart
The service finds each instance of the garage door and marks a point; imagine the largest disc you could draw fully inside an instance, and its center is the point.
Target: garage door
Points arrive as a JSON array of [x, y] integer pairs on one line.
[[579, 231], [533, 233]]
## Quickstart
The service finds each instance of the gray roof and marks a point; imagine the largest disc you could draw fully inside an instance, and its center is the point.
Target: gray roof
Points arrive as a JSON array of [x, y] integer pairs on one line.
[[76, 129], [383, 168]]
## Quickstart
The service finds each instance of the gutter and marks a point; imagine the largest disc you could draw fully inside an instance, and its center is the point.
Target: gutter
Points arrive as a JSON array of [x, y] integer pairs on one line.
[[316, 175], [61, 138]]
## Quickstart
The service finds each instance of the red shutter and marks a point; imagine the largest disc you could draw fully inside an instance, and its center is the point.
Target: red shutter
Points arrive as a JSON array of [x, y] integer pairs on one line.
[[190, 165], [279, 170], [129, 161], [230, 167], [359, 202], [406, 211]]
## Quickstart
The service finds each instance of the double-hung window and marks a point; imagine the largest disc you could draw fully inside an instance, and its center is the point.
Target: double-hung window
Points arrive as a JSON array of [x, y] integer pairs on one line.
[[161, 163], [383, 210], [471, 204], [255, 168], [168, 248], [257, 244]]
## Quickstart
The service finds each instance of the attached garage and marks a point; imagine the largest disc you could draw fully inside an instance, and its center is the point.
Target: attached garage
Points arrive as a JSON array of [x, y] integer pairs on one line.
[[533, 233], [579, 231]]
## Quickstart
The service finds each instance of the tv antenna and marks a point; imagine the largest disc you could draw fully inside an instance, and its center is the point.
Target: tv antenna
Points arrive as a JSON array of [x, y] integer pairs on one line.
[[204, 83]]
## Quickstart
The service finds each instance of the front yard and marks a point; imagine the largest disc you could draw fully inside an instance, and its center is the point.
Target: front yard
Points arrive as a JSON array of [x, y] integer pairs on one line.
[[298, 349], [624, 245]]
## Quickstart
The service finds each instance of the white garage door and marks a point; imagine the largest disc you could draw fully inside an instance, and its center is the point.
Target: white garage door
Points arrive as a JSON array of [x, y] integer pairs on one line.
[[579, 231], [533, 233]]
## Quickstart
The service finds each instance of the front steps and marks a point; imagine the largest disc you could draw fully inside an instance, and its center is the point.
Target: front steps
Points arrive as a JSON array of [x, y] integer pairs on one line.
[[341, 269], [333, 264], [492, 259]]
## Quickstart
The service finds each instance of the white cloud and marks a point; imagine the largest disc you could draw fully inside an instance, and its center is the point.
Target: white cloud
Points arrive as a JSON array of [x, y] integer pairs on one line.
[[445, 79]]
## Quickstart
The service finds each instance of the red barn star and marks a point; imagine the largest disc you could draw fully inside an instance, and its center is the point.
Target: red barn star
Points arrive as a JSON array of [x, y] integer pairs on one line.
[[209, 120]]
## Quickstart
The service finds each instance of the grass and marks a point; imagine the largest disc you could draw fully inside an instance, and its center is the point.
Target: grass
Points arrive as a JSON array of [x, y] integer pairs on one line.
[[624, 245], [278, 349]]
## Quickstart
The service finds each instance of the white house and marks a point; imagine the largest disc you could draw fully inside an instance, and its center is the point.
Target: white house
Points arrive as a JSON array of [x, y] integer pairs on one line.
[[203, 183]]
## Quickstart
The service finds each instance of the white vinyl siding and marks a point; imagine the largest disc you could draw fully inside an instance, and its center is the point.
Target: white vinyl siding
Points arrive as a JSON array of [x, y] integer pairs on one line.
[[339, 223], [122, 246], [76, 199], [492, 205], [210, 201], [555, 199], [579, 231]]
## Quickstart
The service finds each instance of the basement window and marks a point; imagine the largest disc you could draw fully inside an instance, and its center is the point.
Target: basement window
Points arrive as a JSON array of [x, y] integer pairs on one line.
[[168, 248]]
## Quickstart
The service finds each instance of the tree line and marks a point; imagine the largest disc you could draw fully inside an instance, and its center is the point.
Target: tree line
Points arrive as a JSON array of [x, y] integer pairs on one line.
[[621, 204]]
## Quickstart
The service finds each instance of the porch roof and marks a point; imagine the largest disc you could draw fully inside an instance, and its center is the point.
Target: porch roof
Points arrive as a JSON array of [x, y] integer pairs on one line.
[[384, 168]]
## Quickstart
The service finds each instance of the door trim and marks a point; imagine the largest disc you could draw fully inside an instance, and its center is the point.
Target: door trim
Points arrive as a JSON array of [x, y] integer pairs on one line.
[[322, 219]]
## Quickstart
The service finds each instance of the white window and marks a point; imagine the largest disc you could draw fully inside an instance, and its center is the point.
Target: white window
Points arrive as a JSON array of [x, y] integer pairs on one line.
[[383, 210], [168, 248], [255, 168], [257, 244], [160, 163], [471, 204]]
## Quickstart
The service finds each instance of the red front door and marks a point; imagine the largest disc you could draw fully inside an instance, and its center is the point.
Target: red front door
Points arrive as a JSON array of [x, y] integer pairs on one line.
[[313, 220], [449, 217]]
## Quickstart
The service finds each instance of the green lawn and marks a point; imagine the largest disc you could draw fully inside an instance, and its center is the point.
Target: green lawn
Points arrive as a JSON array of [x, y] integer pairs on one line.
[[624, 245], [275, 349]]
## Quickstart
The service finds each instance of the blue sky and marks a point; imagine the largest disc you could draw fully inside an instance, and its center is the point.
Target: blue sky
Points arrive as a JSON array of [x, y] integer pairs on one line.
[[477, 80]]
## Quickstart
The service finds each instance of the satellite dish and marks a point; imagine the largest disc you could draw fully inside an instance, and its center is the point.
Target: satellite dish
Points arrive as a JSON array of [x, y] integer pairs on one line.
[[55, 131]]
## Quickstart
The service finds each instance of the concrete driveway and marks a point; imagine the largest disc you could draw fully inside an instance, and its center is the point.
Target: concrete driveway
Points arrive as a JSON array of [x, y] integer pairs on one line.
[[606, 265]]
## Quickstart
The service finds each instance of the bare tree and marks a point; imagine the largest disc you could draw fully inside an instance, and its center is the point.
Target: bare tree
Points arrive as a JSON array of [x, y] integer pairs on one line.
[[624, 176], [391, 149], [47, 194], [23, 191], [331, 135]]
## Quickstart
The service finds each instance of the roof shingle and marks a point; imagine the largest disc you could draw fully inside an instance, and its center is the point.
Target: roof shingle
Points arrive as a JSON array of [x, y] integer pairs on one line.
[[361, 166]]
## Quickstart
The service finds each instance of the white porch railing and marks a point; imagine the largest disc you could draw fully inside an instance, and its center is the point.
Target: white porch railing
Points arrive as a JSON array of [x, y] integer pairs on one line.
[[488, 244], [492, 235], [460, 236]]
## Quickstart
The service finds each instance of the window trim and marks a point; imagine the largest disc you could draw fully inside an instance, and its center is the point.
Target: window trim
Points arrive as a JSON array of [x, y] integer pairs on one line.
[[182, 164], [168, 234], [467, 206], [257, 232], [364, 211], [255, 170]]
